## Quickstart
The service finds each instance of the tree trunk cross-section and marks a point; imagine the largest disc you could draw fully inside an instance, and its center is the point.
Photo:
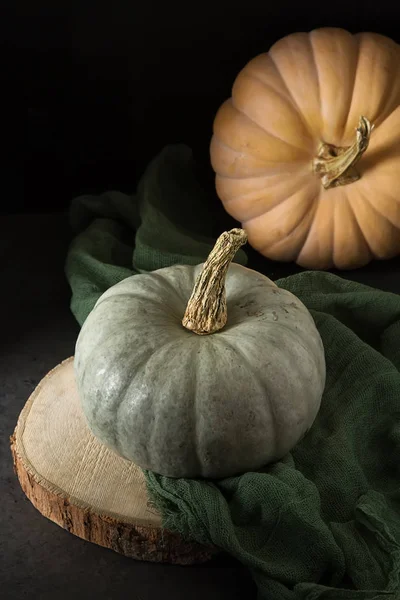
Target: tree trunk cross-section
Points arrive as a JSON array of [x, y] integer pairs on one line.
[[76, 482]]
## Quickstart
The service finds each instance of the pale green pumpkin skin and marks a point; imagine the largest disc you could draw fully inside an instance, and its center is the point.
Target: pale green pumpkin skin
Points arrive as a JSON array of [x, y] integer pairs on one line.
[[185, 405]]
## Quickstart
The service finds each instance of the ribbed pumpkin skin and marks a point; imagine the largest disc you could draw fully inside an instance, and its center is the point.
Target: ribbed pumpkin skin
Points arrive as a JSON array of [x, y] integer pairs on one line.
[[308, 89], [185, 405]]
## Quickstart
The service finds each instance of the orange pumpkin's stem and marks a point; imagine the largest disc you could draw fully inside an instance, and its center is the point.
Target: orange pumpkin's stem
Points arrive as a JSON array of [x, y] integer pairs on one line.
[[335, 165]]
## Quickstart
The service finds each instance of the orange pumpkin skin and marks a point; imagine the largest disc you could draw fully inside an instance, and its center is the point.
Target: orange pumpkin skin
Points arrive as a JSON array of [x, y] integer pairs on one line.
[[309, 89]]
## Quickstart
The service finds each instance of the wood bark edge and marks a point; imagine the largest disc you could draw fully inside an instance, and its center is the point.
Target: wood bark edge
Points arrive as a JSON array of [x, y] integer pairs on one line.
[[134, 541], [141, 542]]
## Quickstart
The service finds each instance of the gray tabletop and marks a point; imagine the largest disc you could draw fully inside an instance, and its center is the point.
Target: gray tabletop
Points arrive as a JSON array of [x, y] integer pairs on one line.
[[38, 559]]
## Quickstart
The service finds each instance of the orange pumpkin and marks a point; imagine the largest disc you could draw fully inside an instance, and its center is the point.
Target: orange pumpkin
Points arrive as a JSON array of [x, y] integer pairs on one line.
[[295, 160]]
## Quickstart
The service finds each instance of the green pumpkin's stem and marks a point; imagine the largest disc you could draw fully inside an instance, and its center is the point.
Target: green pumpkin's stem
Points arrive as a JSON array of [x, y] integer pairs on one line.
[[206, 311], [335, 165]]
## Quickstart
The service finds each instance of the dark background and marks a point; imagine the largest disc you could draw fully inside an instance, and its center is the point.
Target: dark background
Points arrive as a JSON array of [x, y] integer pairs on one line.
[[90, 92], [93, 90]]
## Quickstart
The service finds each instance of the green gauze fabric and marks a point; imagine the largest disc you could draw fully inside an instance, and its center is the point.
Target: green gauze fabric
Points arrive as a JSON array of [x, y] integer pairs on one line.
[[328, 516], [324, 523]]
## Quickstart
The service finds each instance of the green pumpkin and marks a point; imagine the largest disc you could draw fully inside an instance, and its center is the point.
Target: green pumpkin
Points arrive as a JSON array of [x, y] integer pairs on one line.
[[205, 371]]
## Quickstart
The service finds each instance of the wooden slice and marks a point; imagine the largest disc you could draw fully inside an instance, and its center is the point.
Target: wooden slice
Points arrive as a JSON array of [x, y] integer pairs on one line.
[[81, 485]]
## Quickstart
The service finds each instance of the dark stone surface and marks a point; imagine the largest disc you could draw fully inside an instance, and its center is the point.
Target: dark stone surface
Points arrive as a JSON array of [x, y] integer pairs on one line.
[[38, 559]]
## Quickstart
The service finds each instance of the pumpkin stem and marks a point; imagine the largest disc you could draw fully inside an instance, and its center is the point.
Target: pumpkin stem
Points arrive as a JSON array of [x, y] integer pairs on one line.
[[335, 165], [206, 311]]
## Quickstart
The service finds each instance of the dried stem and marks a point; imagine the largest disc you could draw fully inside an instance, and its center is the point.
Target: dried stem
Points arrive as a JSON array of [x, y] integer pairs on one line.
[[335, 165], [206, 311]]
